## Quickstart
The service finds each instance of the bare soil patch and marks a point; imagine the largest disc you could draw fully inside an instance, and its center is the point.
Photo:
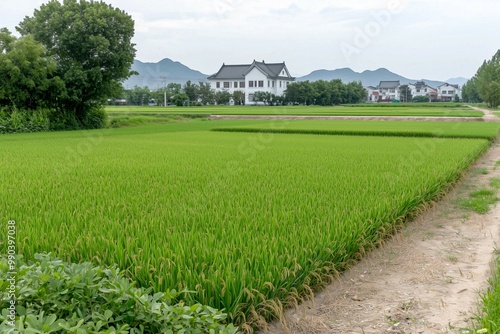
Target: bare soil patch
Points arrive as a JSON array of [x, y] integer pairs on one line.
[[426, 279]]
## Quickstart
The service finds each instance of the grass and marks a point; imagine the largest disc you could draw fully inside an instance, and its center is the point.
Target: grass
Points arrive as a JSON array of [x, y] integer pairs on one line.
[[250, 222], [480, 200], [365, 110], [488, 317]]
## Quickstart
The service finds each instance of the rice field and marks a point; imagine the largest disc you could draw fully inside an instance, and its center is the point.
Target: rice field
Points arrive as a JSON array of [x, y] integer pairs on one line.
[[435, 110], [252, 222], [369, 128]]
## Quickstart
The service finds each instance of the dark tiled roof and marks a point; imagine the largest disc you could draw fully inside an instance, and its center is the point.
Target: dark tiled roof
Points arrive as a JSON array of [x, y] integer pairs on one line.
[[447, 84], [272, 70], [388, 84], [231, 72]]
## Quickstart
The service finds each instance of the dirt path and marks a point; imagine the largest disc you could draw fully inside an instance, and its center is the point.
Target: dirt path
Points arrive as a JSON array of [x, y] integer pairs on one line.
[[426, 279], [358, 118], [488, 115]]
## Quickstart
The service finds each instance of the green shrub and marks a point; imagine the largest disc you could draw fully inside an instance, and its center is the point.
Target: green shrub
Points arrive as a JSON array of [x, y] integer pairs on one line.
[[24, 121], [57, 297], [96, 118]]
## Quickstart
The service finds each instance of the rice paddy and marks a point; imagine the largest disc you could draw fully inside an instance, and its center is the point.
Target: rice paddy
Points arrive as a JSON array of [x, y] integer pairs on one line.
[[432, 110], [251, 222]]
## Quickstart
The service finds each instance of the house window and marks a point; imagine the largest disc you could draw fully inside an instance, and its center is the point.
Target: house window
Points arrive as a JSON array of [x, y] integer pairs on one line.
[[268, 83], [392, 91], [418, 90], [255, 83], [235, 84], [287, 83], [261, 83], [273, 83], [280, 83], [450, 92], [242, 84], [226, 84], [217, 84], [250, 84], [250, 97]]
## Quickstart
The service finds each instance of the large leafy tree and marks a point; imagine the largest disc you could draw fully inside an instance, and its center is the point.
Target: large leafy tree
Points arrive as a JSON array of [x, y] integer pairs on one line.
[[27, 78], [90, 42], [470, 92], [488, 81]]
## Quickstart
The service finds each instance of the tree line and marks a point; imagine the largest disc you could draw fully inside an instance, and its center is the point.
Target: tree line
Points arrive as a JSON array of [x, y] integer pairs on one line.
[[70, 58], [320, 92], [179, 95], [484, 86], [324, 92]]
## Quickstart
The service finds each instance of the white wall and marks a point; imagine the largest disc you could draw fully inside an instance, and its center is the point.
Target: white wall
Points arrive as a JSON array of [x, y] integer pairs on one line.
[[230, 89], [254, 76]]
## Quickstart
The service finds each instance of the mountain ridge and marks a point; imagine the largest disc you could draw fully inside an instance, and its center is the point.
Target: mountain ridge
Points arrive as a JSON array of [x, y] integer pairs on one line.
[[154, 75]]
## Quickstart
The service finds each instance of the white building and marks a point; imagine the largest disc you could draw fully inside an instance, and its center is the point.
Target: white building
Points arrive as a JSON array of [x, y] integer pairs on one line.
[[388, 91], [373, 94], [447, 92], [420, 88], [257, 76]]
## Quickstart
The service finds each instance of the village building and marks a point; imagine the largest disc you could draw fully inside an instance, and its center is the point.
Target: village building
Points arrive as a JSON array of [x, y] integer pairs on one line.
[[250, 78], [420, 88], [389, 91], [447, 92]]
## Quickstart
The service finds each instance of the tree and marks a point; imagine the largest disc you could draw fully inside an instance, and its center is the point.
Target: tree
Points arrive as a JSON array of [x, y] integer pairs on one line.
[[323, 92], [488, 81], [405, 94], [420, 99], [90, 42], [138, 96], [27, 78], [239, 97], [470, 93], [206, 93], [191, 90], [356, 93], [222, 97]]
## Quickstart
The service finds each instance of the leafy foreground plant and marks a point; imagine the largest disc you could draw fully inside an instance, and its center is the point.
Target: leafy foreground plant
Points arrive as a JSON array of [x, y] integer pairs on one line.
[[488, 319], [53, 296]]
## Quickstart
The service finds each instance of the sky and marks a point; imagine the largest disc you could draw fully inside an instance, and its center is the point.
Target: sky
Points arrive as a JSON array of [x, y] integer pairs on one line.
[[418, 39]]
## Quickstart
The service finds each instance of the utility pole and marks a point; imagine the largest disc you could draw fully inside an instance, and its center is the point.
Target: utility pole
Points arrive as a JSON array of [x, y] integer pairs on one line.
[[164, 90]]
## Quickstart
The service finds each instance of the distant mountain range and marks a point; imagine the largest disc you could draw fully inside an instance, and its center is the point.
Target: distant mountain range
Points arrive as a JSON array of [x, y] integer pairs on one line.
[[154, 75], [371, 78]]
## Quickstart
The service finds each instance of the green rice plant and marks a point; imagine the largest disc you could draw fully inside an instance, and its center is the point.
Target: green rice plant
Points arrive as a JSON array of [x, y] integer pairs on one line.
[[251, 222], [371, 128], [439, 110]]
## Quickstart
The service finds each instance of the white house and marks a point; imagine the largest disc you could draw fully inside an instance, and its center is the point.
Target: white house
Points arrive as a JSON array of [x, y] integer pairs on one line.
[[373, 94], [251, 78], [388, 91], [420, 88], [447, 92]]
